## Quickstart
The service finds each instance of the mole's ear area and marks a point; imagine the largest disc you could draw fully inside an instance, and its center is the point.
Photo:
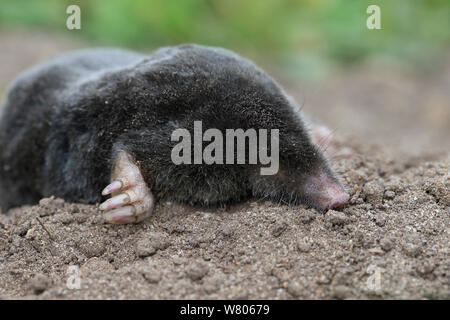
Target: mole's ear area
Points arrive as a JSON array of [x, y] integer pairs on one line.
[[322, 137], [132, 200]]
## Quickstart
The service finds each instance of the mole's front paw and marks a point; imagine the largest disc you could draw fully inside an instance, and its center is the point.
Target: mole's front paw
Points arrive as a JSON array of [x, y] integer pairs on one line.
[[131, 201]]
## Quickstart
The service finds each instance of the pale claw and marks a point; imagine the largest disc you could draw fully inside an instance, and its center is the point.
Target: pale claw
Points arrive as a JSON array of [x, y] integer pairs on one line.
[[116, 201], [132, 200], [112, 187], [122, 215]]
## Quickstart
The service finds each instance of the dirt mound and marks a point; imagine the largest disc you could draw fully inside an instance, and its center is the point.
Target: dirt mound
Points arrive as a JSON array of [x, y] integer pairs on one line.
[[391, 241]]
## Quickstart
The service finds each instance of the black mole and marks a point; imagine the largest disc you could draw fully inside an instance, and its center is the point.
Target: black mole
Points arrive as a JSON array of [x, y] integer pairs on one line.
[[102, 117]]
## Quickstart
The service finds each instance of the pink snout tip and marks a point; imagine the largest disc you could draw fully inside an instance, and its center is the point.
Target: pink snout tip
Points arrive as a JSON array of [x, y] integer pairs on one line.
[[325, 192], [339, 201]]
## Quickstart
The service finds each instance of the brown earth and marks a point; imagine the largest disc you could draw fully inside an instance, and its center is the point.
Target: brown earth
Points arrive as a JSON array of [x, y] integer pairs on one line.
[[390, 241]]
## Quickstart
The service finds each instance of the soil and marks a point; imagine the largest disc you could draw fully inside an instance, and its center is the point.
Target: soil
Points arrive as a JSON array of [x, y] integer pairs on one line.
[[390, 242]]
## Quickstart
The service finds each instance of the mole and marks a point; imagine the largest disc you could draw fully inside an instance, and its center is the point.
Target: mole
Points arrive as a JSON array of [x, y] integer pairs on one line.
[[99, 123]]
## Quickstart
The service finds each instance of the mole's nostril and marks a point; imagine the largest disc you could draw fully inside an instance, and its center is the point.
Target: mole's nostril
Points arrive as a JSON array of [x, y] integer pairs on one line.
[[339, 201], [325, 192]]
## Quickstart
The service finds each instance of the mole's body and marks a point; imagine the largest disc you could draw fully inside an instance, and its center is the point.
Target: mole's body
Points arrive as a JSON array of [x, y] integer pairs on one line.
[[73, 125]]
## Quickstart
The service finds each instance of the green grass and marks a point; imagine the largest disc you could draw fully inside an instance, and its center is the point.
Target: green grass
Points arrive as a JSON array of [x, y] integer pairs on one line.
[[305, 34]]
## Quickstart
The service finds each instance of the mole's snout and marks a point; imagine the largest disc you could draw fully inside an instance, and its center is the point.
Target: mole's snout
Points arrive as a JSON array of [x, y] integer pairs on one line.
[[324, 192], [339, 200]]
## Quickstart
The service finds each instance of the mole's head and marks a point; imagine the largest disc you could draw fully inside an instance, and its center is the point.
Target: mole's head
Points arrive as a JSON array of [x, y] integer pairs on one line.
[[304, 175], [226, 91]]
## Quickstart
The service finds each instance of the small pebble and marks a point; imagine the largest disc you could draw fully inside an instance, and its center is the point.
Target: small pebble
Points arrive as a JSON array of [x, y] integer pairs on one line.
[[197, 271], [144, 248], [341, 292], [412, 250], [386, 244], [295, 289], [303, 245], [39, 283], [376, 251], [389, 195], [336, 217]]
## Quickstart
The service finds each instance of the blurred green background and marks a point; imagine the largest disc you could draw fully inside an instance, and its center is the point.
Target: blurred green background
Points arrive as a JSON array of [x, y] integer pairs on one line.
[[302, 37], [389, 86]]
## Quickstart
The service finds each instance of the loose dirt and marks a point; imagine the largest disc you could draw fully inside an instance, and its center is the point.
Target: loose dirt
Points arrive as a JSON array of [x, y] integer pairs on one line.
[[390, 241]]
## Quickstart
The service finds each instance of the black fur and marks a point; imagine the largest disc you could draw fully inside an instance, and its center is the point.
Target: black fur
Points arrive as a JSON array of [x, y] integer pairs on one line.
[[61, 121]]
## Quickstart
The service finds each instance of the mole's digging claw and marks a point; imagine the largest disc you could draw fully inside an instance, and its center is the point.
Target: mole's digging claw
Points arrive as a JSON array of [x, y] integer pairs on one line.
[[116, 201], [132, 200], [112, 187], [121, 215]]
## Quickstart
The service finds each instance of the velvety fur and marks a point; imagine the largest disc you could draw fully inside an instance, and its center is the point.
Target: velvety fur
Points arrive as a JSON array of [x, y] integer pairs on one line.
[[62, 121]]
